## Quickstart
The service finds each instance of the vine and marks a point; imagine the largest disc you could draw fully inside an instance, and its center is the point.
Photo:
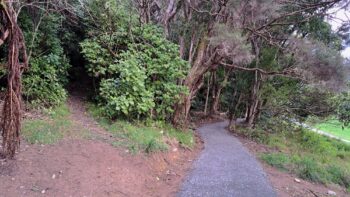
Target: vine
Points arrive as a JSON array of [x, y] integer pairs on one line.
[[17, 60]]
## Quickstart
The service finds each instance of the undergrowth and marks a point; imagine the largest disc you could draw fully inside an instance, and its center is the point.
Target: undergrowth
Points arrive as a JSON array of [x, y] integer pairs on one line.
[[308, 155], [48, 130], [147, 136]]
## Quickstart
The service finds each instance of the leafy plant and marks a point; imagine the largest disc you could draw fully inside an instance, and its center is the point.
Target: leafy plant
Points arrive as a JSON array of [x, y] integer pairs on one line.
[[43, 83], [138, 69], [343, 109], [47, 75], [147, 136]]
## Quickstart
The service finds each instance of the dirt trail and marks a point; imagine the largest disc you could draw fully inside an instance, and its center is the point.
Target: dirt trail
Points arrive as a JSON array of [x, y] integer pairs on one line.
[[83, 120], [81, 167]]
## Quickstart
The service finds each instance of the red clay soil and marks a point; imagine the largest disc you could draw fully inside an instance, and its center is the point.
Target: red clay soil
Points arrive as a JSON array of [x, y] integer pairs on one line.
[[285, 184], [92, 168]]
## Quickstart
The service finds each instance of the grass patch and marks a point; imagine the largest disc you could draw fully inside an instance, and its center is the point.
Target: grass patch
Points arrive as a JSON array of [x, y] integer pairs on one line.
[[307, 154], [334, 127], [278, 160], [50, 130], [146, 136]]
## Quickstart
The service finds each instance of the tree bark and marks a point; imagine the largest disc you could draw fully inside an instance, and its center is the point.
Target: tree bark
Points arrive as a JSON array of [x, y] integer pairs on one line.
[[207, 96], [12, 110], [193, 82], [253, 106]]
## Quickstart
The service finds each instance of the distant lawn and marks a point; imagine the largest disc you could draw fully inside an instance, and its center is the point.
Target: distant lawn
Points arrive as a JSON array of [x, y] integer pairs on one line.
[[334, 127]]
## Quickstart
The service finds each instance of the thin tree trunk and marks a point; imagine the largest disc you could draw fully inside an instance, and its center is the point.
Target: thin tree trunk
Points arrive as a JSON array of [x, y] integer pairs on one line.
[[182, 47], [254, 101], [207, 97], [216, 101]]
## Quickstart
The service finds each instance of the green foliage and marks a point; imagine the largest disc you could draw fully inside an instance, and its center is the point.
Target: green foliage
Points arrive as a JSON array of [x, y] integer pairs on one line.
[[43, 85], [332, 126], [278, 160], [138, 69], [256, 134], [149, 136], [47, 75], [309, 168], [306, 154], [343, 108], [318, 29]]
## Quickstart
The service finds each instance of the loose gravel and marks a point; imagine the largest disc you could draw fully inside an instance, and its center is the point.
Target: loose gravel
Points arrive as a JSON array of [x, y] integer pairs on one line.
[[225, 168]]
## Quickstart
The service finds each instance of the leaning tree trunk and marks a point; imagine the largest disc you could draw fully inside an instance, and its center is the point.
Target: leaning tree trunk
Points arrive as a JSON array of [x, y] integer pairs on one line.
[[193, 82], [11, 123]]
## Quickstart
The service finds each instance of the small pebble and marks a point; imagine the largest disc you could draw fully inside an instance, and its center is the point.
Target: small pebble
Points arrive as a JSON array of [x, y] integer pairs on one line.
[[43, 192], [331, 193], [53, 176]]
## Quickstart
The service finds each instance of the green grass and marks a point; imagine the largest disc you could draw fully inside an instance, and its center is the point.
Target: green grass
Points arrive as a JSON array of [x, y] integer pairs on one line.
[[334, 127], [50, 130], [307, 154], [146, 136]]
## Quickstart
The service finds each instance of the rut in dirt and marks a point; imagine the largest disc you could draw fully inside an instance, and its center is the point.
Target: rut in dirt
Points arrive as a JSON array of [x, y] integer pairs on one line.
[[225, 168]]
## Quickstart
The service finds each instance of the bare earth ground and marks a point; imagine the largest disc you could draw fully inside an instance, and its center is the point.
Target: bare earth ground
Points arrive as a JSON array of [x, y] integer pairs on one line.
[[285, 183], [81, 167]]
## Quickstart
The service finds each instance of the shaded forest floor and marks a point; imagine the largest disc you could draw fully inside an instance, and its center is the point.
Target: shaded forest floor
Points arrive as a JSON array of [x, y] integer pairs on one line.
[[84, 163]]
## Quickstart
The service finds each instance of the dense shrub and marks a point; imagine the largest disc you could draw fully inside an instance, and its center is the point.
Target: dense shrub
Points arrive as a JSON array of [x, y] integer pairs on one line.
[[43, 85], [343, 108], [47, 75], [138, 69]]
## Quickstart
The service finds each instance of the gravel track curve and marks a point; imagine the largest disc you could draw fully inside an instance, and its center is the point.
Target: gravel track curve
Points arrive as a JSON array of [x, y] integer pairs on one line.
[[225, 168]]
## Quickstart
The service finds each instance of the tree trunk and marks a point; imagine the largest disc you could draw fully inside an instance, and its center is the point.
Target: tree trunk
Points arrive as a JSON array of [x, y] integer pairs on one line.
[[234, 108], [253, 106], [12, 110], [144, 10], [207, 97], [193, 82], [216, 101], [218, 86]]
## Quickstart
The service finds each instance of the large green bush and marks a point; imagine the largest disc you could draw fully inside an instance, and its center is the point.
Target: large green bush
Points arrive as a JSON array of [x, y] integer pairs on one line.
[[43, 83], [137, 68]]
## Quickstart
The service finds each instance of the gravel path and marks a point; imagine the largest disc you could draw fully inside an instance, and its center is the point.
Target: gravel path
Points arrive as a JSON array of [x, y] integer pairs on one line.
[[225, 168]]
